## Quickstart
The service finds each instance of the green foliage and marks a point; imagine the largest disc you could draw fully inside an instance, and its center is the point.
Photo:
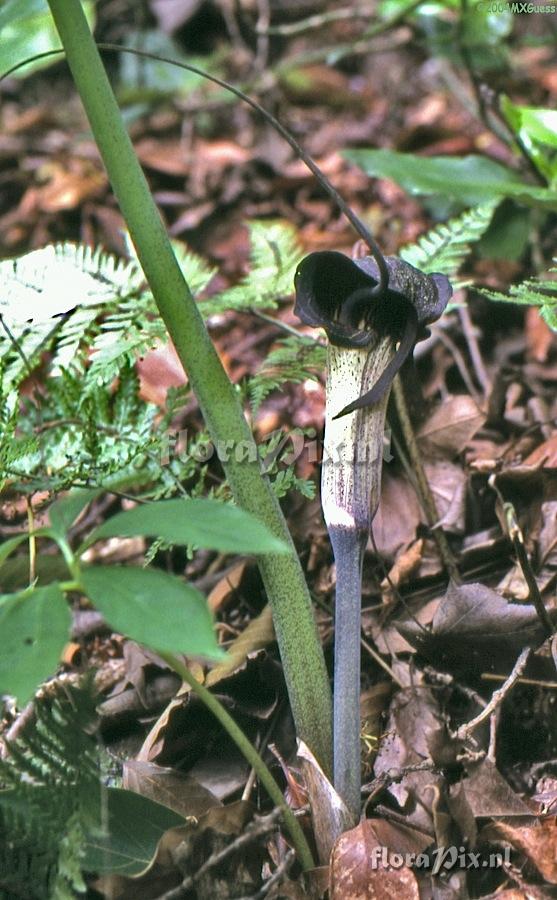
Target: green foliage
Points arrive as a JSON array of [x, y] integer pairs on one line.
[[153, 608], [132, 828], [540, 292], [27, 28], [94, 316], [537, 131], [35, 626], [206, 523], [293, 360], [275, 253], [49, 795], [444, 248], [470, 180]]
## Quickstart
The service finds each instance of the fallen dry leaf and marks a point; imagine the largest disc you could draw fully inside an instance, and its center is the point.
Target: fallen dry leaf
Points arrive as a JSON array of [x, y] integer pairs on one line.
[[537, 842], [451, 426], [539, 337], [170, 787], [357, 874], [226, 587], [405, 566]]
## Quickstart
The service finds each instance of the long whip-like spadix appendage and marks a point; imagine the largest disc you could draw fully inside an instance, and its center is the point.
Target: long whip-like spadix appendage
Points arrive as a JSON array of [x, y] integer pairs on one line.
[[356, 222]]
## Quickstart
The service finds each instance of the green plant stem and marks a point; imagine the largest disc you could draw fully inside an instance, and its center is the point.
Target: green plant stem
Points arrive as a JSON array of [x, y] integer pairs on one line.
[[424, 490], [301, 652], [252, 756]]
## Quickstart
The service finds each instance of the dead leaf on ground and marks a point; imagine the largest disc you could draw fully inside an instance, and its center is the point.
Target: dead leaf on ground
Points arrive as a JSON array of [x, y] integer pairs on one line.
[[356, 871], [488, 794], [170, 787], [159, 369], [226, 587], [414, 717], [451, 426], [539, 336], [256, 636], [475, 629], [398, 516], [537, 842], [404, 567]]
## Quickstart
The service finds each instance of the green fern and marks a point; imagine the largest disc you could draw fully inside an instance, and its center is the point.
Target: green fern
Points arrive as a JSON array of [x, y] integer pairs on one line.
[[49, 793], [540, 292], [275, 253], [444, 248], [293, 361]]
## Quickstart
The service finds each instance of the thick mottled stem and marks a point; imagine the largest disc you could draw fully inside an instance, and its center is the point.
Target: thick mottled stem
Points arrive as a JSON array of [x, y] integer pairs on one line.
[[301, 652], [350, 490]]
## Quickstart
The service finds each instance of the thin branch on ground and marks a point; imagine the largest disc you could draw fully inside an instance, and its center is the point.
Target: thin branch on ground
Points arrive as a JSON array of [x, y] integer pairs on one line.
[[261, 827], [465, 731], [424, 491], [277, 876], [470, 335]]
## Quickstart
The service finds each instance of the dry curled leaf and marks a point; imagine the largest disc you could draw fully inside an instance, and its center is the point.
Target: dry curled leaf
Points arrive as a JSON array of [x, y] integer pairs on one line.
[[451, 426], [357, 872]]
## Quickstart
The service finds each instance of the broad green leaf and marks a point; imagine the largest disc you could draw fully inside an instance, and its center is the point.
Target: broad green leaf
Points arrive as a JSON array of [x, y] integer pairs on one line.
[[64, 512], [128, 839], [26, 29], [35, 627], [539, 124], [10, 545], [469, 180], [204, 523], [153, 608]]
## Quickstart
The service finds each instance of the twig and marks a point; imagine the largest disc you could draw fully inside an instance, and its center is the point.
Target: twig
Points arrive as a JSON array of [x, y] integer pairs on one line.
[[261, 827], [464, 731], [381, 662], [262, 31], [424, 490], [393, 776], [535, 682], [277, 876], [514, 533], [493, 722], [460, 364], [473, 348], [356, 47], [320, 19]]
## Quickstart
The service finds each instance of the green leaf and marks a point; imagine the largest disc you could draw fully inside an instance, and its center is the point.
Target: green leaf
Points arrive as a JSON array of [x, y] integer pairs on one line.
[[64, 512], [274, 254], [541, 125], [128, 840], [35, 627], [10, 545], [26, 29], [153, 608], [445, 247], [471, 180], [204, 523]]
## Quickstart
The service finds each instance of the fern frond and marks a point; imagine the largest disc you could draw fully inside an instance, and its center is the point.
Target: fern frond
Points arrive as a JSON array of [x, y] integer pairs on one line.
[[293, 361], [49, 792], [444, 248], [540, 292], [275, 253]]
